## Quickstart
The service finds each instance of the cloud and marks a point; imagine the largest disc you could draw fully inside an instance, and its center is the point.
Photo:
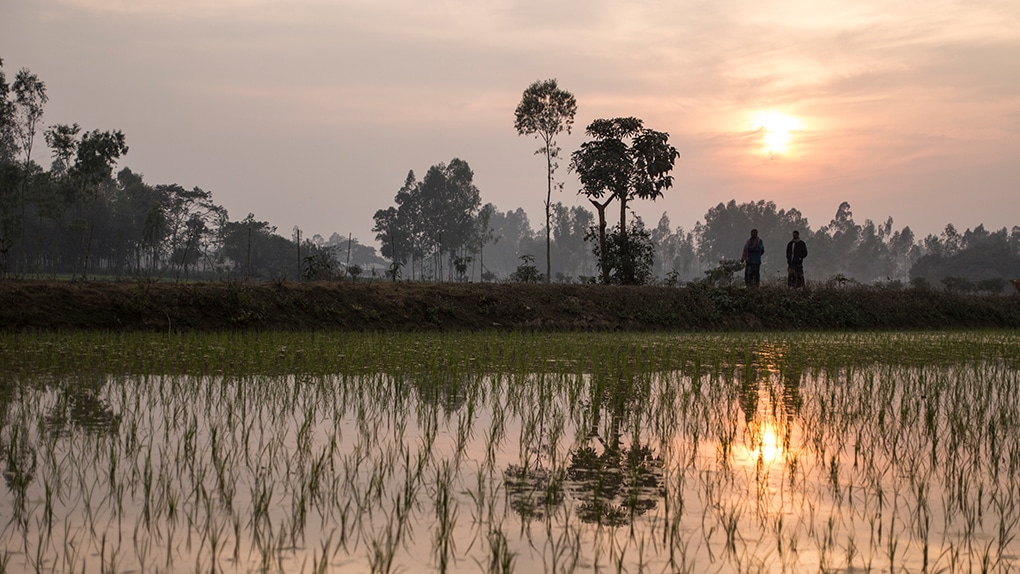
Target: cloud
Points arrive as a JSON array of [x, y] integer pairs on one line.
[[886, 91]]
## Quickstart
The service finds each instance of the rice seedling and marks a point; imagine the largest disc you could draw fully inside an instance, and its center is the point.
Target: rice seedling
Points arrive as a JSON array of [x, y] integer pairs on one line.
[[510, 452]]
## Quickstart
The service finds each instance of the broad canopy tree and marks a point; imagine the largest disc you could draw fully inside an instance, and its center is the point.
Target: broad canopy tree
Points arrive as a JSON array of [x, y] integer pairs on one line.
[[255, 250], [545, 111], [624, 160]]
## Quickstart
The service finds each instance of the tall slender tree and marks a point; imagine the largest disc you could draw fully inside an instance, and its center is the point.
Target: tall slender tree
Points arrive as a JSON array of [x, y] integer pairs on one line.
[[7, 145], [8, 172], [29, 103], [545, 111], [486, 234]]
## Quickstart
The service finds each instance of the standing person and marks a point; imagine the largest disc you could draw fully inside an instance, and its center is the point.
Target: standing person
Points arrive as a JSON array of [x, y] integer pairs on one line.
[[796, 251], [754, 248]]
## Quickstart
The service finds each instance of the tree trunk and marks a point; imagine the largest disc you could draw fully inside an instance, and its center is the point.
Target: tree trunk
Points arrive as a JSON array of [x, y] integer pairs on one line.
[[601, 209], [626, 265], [548, 217]]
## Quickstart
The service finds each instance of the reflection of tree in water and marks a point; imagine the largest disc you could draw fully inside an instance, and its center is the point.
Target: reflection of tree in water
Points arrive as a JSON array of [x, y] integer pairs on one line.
[[621, 481], [617, 485], [79, 406], [19, 460], [613, 482], [446, 389], [19, 470], [532, 491], [19, 456], [792, 400]]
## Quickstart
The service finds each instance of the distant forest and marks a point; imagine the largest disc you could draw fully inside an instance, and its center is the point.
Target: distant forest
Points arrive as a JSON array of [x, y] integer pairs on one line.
[[84, 218]]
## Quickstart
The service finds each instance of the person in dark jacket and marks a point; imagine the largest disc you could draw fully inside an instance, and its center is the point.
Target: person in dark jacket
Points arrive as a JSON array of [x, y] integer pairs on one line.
[[753, 250], [796, 251]]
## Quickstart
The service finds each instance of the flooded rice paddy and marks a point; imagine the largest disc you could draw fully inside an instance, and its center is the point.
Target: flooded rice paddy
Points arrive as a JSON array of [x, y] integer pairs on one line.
[[510, 453]]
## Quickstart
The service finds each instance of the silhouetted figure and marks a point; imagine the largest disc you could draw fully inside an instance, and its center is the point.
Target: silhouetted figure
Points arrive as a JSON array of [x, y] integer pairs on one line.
[[754, 248], [796, 251]]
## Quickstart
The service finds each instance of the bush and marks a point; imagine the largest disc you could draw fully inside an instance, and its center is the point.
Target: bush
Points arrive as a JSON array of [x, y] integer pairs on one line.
[[319, 267], [722, 275], [991, 285], [920, 284], [354, 271], [629, 258], [394, 271], [461, 265], [957, 284], [840, 281], [527, 272]]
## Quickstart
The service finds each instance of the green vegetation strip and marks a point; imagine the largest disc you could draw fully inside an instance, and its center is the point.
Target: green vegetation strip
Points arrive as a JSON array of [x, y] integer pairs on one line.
[[277, 353]]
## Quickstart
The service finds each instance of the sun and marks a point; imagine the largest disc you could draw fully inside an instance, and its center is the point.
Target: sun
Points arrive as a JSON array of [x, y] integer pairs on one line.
[[777, 132]]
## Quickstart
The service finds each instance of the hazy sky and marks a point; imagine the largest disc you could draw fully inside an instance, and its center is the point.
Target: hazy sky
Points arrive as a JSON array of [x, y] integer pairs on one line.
[[311, 112]]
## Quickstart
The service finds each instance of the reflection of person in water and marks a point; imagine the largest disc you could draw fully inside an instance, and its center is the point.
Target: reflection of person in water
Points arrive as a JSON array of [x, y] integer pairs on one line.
[[749, 393], [792, 401]]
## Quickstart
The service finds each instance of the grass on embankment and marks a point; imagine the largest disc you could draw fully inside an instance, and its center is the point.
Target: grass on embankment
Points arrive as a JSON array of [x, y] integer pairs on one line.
[[413, 306]]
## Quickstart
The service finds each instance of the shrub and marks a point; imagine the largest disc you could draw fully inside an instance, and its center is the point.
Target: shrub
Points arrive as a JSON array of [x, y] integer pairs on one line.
[[722, 275], [991, 285], [527, 272], [629, 259], [920, 283], [354, 271], [957, 284]]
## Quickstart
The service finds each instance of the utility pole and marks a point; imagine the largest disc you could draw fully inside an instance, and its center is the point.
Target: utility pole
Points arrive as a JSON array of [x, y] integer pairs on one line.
[[297, 234]]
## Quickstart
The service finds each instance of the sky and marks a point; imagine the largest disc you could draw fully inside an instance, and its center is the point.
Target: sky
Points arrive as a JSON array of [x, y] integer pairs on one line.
[[310, 113]]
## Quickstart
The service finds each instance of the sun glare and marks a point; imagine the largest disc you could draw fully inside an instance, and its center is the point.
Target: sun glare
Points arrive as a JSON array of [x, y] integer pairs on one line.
[[770, 448], [776, 131], [765, 446]]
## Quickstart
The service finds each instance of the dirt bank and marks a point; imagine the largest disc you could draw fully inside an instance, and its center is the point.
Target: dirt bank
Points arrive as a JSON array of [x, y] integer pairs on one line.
[[410, 306]]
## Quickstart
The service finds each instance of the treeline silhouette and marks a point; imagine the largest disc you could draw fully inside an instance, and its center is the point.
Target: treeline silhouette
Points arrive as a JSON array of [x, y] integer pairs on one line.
[[84, 218]]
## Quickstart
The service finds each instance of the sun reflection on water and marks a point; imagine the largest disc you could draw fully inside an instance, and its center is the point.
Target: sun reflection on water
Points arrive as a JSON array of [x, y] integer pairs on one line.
[[769, 449]]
